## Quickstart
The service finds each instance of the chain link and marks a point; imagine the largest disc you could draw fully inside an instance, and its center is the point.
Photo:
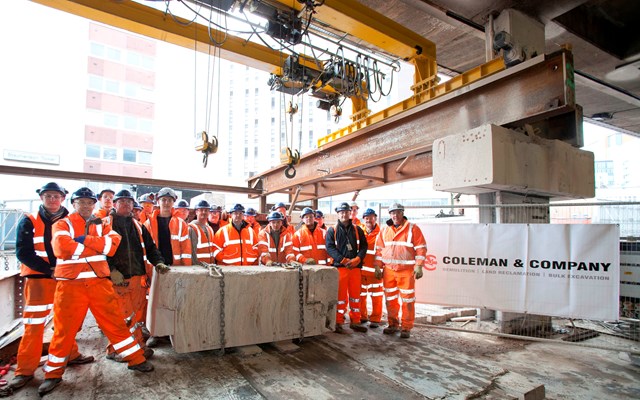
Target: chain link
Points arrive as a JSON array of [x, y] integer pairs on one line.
[[301, 300], [6, 262], [222, 316]]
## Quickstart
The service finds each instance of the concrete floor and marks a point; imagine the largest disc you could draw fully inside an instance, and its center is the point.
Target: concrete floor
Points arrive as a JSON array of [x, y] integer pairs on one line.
[[432, 364]]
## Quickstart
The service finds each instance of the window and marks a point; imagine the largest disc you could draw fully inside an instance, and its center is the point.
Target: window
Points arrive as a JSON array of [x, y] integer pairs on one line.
[[255, 152], [273, 102], [92, 151], [109, 153], [112, 87], [129, 155], [113, 54], [145, 125], [311, 139], [133, 58], [95, 82], [246, 152], [144, 157], [256, 91], [130, 122], [111, 120], [130, 90], [97, 49]]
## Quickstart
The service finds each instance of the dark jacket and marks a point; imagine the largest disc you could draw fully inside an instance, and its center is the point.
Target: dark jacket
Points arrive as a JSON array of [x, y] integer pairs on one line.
[[129, 257], [336, 242], [25, 251]]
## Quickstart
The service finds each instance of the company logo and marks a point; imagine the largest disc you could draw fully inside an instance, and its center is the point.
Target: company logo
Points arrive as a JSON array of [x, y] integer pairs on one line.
[[430, 262]]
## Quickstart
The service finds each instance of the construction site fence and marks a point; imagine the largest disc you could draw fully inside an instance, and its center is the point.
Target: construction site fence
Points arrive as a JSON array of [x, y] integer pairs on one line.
[[625, 331]]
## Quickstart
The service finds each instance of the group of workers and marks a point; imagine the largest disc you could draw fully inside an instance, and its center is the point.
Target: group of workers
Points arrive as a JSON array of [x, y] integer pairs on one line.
[[103, 259]]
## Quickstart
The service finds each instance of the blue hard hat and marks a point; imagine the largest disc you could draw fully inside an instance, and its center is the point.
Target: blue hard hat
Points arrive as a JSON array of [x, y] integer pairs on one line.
[[319, 214], [305, 211], [83, 193], [343, 207], [181, 204], [136, 206], [52, 187], [202, 204], [251, 212], [279, 205], [237, 207], [123, 194], [369, 211], [275, 216]]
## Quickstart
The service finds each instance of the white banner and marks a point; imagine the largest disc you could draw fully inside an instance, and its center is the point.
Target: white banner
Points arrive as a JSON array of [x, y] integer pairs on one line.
[[557, 270]]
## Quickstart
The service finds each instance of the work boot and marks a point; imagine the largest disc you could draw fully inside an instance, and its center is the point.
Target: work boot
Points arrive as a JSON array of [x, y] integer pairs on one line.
[[115, 357], [145, 332], [48, 385], [390, 330], [339, 329], [374, 325], [358, 328], [148, 353], [156, 341], [81, 360], [143, 367], [19, 381], [405, 334], [364, 320]]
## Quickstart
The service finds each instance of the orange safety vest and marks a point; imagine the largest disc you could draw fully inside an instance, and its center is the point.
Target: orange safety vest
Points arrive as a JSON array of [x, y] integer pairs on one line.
[[180, 242], [83, 260], [268, 250], [310, 245], [38, 244], [367, 265], [205, 248], [400, 248], [236, 248]]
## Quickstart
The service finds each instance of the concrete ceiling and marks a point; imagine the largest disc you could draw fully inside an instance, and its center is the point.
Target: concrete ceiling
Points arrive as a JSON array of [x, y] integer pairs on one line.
[[602, 34]]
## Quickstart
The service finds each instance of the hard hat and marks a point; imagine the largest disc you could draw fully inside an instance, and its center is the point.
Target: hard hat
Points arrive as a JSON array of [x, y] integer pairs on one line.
[[319, 214], [275, 216], [369, 211], [354, 204], [147, 198], [306, 211], [395, 207], [136, 206], [181, 204], [167, 192], [99, 195], [52, 187], [237, 207], [343, 207], [251, 212], [202, 204], [83, 193], [215, 208], [123, 194], [279, 205]]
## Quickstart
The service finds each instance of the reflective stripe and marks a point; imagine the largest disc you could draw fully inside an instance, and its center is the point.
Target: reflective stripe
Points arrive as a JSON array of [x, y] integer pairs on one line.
[[122, 344], [107, 245], [78, 251], [232, 260], [204, 255], [176, 257], [354, 300], [406, 244], [57, 360], [341, 311], [129, 351], [401, 262], [41, 253], [322, 262], [407, 291], [410, 300], [60, 233], [355, 309], [43, 307], [395, 296], [368, 269], [421, 258], [86, 275], [39, 239], [49, 368], [34, 321], [251, 259], [341, 302], [420, 246], [186, 255], [372, 252], [322, 247], [82, 260], [389, 290], [303, 248], [235, 241], [376, 294]]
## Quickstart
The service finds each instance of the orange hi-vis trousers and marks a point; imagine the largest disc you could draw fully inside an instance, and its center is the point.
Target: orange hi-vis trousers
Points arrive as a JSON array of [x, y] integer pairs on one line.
[[371, 286], [348, 293], [132, 299], [72, 300], [38, 298], [400, 284]]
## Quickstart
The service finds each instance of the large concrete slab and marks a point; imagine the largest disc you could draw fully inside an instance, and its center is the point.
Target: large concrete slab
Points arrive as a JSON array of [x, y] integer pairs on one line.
[[261, 305]]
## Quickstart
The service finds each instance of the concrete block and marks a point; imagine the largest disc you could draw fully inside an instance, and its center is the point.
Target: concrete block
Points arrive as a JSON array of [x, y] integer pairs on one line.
[[248, 351], [261, 305], [520, 387], [285, 346]]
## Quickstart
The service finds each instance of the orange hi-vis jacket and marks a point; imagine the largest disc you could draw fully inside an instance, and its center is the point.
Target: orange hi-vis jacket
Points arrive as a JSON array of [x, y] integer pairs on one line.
[[236, 248], [367, 265], [180, 242], [206, 248], [310, 245], [256, 226], [39, 248], [400, 248], [269, 251], [138, 226], [83, 260]]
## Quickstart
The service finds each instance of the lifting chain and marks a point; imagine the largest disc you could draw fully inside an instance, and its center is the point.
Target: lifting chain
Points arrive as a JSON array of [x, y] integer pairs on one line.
[[216, 272], [6, 262], [301, 300]]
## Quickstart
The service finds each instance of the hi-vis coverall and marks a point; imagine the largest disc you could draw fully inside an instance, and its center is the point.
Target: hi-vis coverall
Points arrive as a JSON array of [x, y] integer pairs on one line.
[[180, 242], [277, 252], [400, 250], [236, 248], [203, 247], [310, 245], [82, 273], [370, 284], [34, 251]]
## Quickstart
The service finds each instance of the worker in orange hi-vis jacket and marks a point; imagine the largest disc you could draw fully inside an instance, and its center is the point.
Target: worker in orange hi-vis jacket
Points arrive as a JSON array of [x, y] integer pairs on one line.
[[105, 199], [347, 246], [282, 209], [203, 247], [250, 217], [371, 286], [215, 219], [309, 241], [34, 251], [237, 241], [181, 210], [147, 201], [82, 244], [169, 232], [275, 242], [354, 214], [401, 249]]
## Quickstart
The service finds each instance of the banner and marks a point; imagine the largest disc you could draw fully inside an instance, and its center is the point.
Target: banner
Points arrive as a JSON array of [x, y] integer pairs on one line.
[[557, 270]]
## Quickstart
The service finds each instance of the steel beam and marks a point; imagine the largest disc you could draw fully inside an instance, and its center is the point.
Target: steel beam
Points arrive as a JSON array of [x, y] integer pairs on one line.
[[533, 91], [129, 180]]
